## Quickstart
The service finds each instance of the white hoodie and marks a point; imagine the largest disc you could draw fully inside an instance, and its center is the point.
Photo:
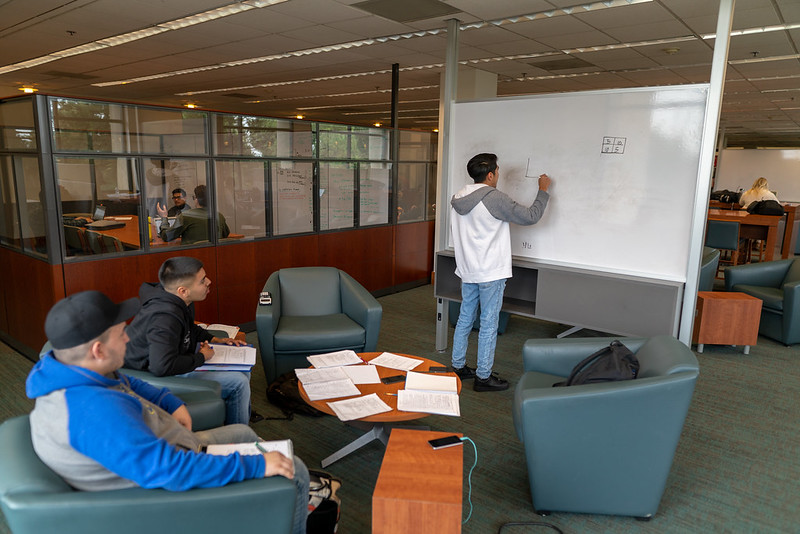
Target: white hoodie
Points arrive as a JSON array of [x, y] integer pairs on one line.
[[481, 236]]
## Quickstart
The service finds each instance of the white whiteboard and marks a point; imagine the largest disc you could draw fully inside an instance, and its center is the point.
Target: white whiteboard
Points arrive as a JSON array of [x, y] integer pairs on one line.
[[740, 168], [624, 165]]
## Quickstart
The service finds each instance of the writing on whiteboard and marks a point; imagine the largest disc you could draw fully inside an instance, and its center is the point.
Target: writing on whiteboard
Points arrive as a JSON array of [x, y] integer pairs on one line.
[[613, 145]]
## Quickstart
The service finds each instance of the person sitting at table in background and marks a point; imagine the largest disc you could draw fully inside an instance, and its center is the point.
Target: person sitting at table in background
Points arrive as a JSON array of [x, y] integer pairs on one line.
[[759, 191], [192, 224], [102, 430], [166, 341], [179, 198]]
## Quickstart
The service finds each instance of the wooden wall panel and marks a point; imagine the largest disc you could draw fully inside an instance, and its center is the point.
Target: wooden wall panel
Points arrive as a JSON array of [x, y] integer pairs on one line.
[[379, 258], [365, 254], [413, 252], [30, 287]]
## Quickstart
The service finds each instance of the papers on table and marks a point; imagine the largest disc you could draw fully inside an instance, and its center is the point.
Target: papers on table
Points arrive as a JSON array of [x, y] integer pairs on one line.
[[432, 383], [309, 376], [335, 382], [409, 400], [394, 361], [362, 374], [334, 359], [230, 358], [333, 389], [429, 394], [360, 407], [283, 446]]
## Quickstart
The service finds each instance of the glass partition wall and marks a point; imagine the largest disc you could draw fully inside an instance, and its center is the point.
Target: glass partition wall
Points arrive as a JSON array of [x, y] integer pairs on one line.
[[128, 179]]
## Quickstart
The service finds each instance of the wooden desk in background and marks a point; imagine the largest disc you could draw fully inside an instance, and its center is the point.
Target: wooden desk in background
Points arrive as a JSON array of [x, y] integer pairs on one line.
[[790, 209], [752, 226], [419, 489], [129, 234]]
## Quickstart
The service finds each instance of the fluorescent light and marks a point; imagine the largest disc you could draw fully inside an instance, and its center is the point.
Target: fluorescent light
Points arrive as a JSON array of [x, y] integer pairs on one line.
[[116, 40]]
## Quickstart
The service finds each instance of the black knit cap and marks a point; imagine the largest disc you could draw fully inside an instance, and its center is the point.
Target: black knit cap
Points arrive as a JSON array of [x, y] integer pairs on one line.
[[83, 316]]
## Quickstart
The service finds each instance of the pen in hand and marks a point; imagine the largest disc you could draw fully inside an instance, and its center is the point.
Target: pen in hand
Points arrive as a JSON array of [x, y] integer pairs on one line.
[[260, 448]]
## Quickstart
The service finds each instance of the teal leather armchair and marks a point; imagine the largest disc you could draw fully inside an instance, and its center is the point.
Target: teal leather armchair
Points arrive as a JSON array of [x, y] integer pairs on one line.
[[35, 500], [777, 284], [603, 448], [314, 310], [203, 398]]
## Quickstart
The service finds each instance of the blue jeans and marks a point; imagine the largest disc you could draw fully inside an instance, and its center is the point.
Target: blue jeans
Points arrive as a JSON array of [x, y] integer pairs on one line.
[[235, 392], [242, 434], [490, 296]]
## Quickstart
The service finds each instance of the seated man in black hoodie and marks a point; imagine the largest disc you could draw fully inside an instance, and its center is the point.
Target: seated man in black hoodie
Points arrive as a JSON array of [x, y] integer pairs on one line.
[[165, 341]]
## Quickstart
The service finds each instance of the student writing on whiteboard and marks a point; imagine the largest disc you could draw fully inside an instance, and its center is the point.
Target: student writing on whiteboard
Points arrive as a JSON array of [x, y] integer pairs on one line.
[[759, 191], [482, 240]]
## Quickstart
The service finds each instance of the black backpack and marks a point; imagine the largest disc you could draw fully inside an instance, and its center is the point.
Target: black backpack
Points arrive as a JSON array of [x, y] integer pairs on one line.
[[765, 207], [609, 364], [284, 393]]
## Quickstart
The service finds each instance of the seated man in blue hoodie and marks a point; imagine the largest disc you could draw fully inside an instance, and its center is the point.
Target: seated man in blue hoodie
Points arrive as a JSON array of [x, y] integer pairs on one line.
[[165, 340], [102, 430]]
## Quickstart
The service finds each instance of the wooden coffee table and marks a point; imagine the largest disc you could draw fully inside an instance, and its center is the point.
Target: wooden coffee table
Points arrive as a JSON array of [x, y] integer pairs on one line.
[[419, 489], [379, 424], [726, 318]]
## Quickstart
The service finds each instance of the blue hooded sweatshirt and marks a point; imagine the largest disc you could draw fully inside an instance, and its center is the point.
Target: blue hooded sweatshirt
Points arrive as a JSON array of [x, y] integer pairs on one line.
[[103, 433]]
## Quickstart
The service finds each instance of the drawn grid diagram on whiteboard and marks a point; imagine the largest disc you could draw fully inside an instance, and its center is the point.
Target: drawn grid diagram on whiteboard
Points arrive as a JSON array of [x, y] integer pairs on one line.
[[624, 166]]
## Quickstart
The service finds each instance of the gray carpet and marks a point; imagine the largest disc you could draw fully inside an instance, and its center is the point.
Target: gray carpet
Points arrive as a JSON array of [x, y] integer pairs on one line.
[[737, 468]]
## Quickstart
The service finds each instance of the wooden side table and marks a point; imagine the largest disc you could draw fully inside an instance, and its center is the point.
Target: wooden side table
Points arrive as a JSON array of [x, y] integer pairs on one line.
[[726, 318], [419, 489]]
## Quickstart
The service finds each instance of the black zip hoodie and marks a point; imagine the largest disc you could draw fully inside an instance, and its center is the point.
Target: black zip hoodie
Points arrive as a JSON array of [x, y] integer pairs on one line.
[[163, 335]]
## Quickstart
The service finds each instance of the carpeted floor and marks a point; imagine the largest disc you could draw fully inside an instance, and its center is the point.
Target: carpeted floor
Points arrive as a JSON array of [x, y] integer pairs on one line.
[[737, 468]]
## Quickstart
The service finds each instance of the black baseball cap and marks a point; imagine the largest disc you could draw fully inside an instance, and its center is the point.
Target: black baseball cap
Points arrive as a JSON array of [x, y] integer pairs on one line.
[[83, 316]]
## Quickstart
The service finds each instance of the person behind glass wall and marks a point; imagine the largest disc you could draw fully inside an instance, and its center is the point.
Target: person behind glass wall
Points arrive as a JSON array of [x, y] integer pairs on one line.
[[759, 191], [191, 225], [179, 199], [482, 242]]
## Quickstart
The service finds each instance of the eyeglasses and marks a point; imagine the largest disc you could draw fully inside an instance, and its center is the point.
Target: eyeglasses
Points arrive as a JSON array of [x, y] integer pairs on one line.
[[178, 197]]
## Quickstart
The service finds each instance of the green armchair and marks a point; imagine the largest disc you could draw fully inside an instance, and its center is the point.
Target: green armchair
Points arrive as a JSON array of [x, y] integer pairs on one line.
[[203, 398], [314, 310], [777, 284], [35, 499], [603, 448]]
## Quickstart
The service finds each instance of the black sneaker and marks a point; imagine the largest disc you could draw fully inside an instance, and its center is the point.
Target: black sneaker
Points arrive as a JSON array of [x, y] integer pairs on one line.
[[493, 383], [464, 373]]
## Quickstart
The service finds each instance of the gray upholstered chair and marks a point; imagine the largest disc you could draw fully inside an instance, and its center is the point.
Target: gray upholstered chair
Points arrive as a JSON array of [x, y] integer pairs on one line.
[[314, 310], [203, 398], [603, 448], [708, 269], [35, 500], [777, 284]]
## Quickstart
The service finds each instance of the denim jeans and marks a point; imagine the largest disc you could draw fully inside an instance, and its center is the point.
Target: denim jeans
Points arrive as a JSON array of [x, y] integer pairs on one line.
[[235, 392], [242, 434], [490, 296]]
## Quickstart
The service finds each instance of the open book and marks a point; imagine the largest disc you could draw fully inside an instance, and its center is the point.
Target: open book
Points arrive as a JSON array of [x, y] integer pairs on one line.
[[283, 446], [230, 358], [429, 394]]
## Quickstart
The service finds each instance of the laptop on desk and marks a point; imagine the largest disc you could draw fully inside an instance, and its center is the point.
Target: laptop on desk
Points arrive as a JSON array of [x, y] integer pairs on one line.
[[99, 223]]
